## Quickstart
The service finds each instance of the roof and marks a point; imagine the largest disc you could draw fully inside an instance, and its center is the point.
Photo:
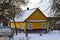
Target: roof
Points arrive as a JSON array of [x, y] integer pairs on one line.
[[26, 14]]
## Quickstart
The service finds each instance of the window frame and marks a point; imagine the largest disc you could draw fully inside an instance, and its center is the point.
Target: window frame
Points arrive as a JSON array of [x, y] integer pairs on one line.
[[30, 26], [20, 25], [44, 24]]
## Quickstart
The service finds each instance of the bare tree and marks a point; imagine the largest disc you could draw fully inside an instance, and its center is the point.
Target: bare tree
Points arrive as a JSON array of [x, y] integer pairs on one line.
[[56, 7], [10, 8]]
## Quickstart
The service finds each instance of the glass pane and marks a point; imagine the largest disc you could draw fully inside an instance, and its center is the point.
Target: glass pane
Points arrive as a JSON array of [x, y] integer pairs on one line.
[[30, 25]]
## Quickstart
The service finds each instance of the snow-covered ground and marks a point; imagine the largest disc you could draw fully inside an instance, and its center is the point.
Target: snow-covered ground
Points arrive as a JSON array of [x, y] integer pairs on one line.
[[53, 35]]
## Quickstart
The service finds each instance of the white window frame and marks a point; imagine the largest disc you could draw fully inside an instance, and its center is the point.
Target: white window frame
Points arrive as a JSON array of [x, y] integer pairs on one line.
[[20, 25], [43, 25], [30, 24]]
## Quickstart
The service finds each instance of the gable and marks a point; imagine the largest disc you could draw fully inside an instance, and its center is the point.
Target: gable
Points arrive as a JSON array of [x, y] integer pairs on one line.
[[37, 15]]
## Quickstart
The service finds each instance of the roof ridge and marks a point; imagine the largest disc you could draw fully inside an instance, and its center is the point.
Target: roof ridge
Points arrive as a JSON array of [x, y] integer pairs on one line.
[[31, 9]]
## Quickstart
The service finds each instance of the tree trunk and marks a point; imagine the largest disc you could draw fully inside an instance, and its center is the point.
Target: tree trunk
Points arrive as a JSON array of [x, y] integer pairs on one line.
[[26, 34], [15, 26]]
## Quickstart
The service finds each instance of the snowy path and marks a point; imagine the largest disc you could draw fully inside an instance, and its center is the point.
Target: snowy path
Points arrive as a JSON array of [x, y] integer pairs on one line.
[[55, 35]]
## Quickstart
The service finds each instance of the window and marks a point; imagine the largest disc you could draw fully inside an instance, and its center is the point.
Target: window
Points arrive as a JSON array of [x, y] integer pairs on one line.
[[30, 26], [37, 14], [21, 26], [43, 25]]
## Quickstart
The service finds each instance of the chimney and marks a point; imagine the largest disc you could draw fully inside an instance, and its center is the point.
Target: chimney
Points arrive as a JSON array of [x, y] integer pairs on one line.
[[27, 8]]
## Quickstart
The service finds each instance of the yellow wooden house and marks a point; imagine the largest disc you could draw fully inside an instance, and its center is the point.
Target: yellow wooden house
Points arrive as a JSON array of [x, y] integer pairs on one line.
[[32, 19]]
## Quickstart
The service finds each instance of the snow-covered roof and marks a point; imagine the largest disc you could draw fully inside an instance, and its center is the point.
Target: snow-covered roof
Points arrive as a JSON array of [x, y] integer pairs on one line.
[[26, 14]]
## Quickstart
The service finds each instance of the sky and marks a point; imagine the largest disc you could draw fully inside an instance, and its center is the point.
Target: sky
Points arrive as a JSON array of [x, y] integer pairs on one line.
[[36, 3], [44, 5], [32, 4]]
